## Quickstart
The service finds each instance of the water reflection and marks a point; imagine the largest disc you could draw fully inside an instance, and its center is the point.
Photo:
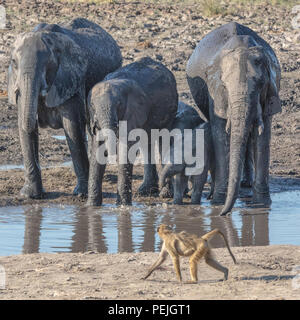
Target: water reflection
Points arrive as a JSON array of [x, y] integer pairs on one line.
[[112, 229], [33, 220]]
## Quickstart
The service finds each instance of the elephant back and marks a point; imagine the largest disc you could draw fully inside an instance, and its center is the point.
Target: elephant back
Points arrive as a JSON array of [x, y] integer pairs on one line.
[[159, 84], [101, 50], [213, 43]]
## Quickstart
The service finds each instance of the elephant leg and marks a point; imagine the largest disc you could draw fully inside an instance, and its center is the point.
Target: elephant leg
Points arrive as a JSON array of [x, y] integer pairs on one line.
[[89, 144], [150, 181], [198, 185], [33, 187], [248, 171], [261, 193], [167, 190], [73, 120], [179, 186], [124, 196], [96, 174], [221, 155]]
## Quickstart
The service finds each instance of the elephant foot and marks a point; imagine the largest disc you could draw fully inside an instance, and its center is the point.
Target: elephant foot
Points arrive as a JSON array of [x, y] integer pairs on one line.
[[166, 192], [123, 201], [218, 198], [196, 199], [81, 189], [94, 202], [32, 191], [147, 189], [262, 199], [246, 183], [177, 201]]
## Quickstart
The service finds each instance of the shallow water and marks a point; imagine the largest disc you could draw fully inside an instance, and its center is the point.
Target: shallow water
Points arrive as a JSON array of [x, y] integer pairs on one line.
[[114, 229], [7, 167]]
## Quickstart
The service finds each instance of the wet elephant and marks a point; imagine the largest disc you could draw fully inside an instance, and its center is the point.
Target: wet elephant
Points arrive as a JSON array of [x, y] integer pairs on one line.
[[144, 95], [52, 69], [234, 77]]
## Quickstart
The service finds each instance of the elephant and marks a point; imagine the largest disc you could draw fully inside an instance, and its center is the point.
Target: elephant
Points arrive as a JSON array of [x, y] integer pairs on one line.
[[234, 78], [144, 94], [188, 118], [51, 71]]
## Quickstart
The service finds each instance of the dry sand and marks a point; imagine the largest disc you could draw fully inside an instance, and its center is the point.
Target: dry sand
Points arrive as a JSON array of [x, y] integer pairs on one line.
[[266, 272]]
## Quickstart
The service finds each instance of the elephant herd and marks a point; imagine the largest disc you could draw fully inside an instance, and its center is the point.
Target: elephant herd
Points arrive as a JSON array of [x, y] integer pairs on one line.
[[71, 76]]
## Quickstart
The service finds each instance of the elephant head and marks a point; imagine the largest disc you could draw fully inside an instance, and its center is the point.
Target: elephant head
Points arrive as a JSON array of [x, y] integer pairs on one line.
[[117, 100], [245, 93], [46, 65]]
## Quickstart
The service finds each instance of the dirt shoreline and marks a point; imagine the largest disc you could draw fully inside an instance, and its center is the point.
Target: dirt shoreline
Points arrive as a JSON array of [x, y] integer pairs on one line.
[[60, 182], [266, 272]]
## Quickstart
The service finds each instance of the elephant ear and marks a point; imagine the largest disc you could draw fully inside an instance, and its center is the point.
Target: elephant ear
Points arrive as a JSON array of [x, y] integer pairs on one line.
[[137, 107], [72, 67], [11, 85], [219, 92], [273, 104], [12, 75]]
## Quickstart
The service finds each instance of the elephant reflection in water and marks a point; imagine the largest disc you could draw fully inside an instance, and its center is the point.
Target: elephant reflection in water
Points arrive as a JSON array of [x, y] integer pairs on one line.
[[254, 228], [89, 232], [33, 221]]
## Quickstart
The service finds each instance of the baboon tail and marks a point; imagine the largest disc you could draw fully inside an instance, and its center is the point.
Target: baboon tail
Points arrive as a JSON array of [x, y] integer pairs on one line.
[[212, 233]]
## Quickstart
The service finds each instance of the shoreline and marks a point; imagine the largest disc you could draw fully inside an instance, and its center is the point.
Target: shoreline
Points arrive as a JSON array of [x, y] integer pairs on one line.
[[266, 272]]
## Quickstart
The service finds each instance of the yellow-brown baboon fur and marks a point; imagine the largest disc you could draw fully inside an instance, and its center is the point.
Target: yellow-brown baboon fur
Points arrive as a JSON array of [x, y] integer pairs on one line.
[[188, 245]]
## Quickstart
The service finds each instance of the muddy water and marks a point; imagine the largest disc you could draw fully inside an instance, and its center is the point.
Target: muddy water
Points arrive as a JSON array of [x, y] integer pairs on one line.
[[7, 167], [113, 229]]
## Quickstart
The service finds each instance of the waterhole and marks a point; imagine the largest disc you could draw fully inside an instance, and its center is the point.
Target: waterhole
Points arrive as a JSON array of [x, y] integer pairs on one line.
[[112, 229]]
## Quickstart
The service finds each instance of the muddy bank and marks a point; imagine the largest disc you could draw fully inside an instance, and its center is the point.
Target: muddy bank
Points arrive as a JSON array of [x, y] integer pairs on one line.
[[168, 33], [261, 273], [60, 182]]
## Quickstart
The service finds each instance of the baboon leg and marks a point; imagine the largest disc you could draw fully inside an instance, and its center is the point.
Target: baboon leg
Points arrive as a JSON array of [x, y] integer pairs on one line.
[[177, 267], [162, 257], [194, 259], [216, 265]]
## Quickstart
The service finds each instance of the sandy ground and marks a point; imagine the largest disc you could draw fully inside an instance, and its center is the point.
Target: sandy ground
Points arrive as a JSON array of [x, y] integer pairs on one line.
[[261, 273], [169, 34]]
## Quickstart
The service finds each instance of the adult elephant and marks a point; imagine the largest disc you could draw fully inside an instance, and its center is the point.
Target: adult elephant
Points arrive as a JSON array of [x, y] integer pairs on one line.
[[234, 77], [51, 71], [144, 95]]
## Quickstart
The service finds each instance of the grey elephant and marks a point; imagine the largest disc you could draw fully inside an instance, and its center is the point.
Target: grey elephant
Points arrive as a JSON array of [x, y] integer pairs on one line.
[[143, 94], [51, 71], [187, 118], [234, 77]]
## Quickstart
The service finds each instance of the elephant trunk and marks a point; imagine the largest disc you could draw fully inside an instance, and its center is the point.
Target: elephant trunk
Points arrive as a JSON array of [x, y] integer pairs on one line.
[[168, 171], [240, 127], [29, 102]]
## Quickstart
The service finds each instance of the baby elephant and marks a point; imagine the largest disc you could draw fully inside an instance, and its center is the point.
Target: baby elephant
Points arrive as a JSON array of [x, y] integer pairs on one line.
[[143, 94], [188, 118]]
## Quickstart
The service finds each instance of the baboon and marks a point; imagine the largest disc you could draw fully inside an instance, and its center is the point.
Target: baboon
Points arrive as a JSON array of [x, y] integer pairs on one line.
[[188, 245]]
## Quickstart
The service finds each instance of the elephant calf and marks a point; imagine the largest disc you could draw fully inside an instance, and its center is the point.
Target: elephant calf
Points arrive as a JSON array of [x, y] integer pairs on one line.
[[144, 95], [188, 118]]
